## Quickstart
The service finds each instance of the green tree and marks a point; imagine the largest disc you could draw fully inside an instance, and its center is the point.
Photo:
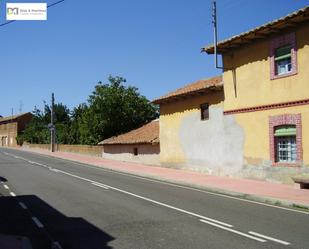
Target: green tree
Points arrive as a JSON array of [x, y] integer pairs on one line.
[[114, 109], [37, 130]]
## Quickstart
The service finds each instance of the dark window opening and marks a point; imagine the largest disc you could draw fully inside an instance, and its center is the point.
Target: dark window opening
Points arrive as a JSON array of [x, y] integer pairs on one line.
[[135, 151], [205, 111]]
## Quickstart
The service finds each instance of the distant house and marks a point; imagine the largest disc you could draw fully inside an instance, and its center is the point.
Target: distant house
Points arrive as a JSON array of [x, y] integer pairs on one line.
[[11, 126], [140, 145]]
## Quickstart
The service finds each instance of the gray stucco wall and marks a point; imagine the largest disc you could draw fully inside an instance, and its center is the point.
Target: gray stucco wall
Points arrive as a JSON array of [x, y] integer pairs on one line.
[[147, 153], [215, 145]]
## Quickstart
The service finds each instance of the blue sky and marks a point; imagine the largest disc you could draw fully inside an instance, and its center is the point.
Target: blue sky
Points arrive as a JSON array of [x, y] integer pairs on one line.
[[154, 44]]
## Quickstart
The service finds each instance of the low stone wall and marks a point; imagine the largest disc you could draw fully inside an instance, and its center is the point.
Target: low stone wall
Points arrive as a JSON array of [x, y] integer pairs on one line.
[[91, 150]]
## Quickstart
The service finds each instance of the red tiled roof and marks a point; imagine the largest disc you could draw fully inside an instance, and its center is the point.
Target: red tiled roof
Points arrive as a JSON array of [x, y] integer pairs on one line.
[[147, 134], [200, 86], [263, 31]]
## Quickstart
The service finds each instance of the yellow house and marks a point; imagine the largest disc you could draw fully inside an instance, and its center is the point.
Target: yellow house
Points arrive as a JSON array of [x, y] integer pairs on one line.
[[266, 90], [194, 133]]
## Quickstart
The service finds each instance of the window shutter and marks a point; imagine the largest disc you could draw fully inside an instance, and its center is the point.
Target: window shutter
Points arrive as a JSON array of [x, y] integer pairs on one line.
[[285, 131]]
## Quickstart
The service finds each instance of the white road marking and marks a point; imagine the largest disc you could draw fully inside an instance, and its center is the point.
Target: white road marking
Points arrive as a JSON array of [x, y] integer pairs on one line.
[[56, 245], [270, 238], [233, 231], [12, 194], [100, 185], [166, 183], [23, 205], [178, 186], [147, 199], [5, 186], [52, 169], [37, 222]]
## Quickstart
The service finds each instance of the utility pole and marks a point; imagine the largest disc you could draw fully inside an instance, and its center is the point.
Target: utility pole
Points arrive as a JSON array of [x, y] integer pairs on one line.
[[214, 22], [52, 126]]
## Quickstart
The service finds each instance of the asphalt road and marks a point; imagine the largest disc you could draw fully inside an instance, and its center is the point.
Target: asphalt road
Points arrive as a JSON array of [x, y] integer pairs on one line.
[[81, 206]]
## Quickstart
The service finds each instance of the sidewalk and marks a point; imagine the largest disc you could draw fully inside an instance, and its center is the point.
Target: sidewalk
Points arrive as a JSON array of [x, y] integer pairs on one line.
[[267, 192]]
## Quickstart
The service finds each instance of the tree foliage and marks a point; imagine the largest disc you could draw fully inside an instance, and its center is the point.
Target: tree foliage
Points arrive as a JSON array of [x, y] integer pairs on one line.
[[112, 109]]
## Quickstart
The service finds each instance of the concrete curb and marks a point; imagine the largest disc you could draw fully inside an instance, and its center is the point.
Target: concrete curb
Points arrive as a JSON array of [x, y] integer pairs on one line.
[[224, 192]]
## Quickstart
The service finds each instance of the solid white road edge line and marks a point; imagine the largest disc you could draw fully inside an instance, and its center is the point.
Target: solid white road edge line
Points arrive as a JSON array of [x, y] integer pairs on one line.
[[37, 222], [166, 183], [179, 186], [100, 185], [270, 238], [5, 186], [234, 231], [23, 205], [12, 194], [150, 200]]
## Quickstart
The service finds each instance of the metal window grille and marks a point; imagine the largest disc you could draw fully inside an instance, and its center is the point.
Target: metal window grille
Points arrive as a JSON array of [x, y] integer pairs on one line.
[[286, 149]]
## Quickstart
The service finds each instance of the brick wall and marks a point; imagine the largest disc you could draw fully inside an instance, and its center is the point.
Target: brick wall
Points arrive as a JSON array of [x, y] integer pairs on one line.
[[91, 150]]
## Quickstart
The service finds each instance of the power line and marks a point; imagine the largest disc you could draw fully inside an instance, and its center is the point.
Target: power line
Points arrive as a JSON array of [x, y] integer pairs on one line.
[[48, 6]]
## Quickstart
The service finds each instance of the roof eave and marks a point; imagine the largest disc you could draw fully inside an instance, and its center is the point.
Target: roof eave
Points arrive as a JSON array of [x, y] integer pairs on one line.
[[261, 32], [202, 91]]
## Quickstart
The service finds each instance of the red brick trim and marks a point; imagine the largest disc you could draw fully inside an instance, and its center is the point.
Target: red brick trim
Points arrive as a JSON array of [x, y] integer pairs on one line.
[[286, 119], [268, 107], [276, 43]]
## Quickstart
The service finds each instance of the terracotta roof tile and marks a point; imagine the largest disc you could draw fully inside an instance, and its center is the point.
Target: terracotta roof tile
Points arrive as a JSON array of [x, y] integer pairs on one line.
[[269, 28], [193, 88], [148, 133]]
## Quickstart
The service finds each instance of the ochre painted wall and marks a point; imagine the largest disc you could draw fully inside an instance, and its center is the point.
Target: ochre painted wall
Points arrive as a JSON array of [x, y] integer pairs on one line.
[[251, 86], [214, 146], [252, 75], [256, 127], [171, 117]]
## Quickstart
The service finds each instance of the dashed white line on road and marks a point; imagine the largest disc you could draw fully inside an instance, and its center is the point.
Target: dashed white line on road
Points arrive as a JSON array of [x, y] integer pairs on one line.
[[100, 185], [233, 231], [56, 245], [12, 194], [5, 186], [23, 205], [54, 170], [270, 238], [37, 222], [167, 183], [148, 199]]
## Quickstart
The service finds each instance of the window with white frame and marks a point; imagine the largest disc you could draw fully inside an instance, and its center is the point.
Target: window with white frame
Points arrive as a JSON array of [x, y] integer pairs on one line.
[[285, 144], [283, 56], [283, 60]]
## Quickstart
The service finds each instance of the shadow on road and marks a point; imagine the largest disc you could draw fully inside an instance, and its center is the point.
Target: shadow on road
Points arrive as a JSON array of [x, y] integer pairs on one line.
[[70, 232], [2, 179]]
